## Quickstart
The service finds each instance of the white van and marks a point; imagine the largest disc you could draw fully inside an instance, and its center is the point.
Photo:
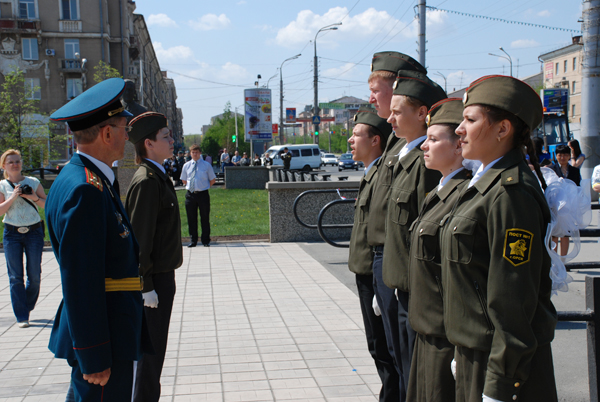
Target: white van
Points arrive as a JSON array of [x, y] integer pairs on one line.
[[304, 156]]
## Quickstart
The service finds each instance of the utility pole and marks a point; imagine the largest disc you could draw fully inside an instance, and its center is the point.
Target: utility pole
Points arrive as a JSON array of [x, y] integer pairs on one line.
[[422, 26], [590, 88], [281, 97]]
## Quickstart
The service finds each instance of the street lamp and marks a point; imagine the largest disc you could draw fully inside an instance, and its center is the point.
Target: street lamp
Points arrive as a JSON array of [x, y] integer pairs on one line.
[[281, 97], [505, 58], [331, 27], [445, 83]]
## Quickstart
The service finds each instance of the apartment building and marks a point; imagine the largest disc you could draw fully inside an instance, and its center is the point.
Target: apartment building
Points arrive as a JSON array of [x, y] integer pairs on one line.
[[562, 69], [57, 43]]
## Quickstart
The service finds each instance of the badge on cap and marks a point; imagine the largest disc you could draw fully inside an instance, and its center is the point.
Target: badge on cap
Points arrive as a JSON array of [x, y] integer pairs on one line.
[[395, 84], [356, 117], [465, 97], [371, 67], [517, 246], [427, 119]]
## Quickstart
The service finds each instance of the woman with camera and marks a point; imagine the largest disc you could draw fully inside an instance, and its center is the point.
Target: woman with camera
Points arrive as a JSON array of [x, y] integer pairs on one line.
[[20, 198]]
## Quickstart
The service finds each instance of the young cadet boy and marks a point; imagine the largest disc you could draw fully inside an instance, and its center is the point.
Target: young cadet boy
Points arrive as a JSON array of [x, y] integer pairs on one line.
[[384, 69], [413, 95], [367, 142]]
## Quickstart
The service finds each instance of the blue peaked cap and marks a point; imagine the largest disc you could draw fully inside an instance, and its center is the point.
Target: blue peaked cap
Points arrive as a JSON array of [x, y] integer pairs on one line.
[[99, 103]]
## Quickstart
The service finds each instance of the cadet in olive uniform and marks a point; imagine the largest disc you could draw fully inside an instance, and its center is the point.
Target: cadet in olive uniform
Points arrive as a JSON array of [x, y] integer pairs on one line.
[[154, 211], [414, 94], [384, 70], [98, 327], [497, 308], [367, 142], [430, 376]]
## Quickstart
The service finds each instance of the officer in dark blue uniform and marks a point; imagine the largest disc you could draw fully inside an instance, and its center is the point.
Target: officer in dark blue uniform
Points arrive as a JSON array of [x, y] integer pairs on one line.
[[98, 326]]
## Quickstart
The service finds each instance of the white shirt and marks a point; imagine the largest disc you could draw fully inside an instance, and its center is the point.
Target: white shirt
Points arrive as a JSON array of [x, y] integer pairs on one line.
[[104, 168], [20, 212], [204, 175], [158, 165], [410, 146], [481, 171], [445, 180], [371, 165]]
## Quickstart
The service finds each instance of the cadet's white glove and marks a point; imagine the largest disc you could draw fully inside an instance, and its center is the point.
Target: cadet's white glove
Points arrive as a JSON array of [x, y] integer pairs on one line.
[[396, 293], [150, 299], [376, 308], [488, 399], [453, 368]]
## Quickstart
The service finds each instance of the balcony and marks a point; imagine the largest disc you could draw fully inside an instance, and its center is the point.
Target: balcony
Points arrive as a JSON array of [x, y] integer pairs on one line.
[[69, 66], [10, 25], [70, 26]]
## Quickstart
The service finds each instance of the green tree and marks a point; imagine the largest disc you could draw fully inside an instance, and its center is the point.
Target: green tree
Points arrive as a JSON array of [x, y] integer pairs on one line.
[[223, 130], [210, 146], [104, 71], [22, 126]]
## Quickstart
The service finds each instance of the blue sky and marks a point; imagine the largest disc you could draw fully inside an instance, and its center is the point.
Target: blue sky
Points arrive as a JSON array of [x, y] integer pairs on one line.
[[215, 49]]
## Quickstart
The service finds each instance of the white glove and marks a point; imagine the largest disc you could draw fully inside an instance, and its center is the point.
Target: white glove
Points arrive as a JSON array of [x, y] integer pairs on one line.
[[453, 368], [376, 308], [396, 293], [488, 399], [150, 299]]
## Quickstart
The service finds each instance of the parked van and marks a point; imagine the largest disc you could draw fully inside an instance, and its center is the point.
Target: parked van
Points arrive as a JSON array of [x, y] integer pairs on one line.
[[304, 156]]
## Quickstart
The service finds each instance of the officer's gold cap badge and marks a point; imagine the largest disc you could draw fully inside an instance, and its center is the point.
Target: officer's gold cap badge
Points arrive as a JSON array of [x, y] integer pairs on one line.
[[517, 246]]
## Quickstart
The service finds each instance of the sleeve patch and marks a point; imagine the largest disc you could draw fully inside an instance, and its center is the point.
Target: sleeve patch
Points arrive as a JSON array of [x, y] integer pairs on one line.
[[93, 179], [517, 246]]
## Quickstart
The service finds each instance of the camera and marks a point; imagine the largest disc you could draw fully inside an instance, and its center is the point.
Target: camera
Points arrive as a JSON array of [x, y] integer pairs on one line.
[[26, 189]]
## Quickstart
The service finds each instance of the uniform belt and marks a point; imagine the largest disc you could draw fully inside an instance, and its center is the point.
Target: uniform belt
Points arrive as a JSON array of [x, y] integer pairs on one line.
[[134, 284], [377, 249], [23, 229]]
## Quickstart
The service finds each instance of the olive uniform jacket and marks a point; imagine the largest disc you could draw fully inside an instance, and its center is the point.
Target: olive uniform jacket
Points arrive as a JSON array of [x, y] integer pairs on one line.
[[152, 205], [425, 307], [412, 181], [381, 191], [495, 270], [92, 240], [360, 260]]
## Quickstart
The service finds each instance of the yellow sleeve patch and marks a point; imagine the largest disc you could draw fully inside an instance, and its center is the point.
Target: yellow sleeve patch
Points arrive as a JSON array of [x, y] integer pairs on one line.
[[93, 179], [517, 246]]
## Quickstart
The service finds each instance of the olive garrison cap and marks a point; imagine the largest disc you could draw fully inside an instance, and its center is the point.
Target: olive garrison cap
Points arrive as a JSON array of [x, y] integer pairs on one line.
[[99, 103], [395, 61], [509, 94], [419, 86], [446, 111], [368, 115], [145, 124]]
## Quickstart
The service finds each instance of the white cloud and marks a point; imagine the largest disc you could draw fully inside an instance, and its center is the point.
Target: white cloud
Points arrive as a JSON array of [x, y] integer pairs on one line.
[[366, 24], [342, 71], [523, 43], [174, 53], [239, 3], [228, 72], [456, 80], [232, 72], [161, 20], [210, 22], [544, 13]]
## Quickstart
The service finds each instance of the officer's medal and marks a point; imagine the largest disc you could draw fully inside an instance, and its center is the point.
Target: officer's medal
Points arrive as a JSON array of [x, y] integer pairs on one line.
[[125, 232]]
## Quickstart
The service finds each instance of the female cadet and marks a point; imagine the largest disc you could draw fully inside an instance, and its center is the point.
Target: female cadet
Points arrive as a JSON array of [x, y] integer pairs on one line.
[[495, 267], [154, 211], [430, 376]]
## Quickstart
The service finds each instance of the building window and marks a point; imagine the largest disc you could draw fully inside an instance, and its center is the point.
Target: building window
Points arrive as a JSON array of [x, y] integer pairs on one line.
[[565, 66], [32, 88], [27, 9], [30, 48], [574, 86], [574, 63], [572, 110], [71, 47], [73, 88], [69, 10], [556, 68]]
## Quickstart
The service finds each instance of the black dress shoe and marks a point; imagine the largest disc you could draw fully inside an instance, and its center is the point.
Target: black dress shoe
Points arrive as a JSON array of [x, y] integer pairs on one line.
[[192, 244], [206, 245]]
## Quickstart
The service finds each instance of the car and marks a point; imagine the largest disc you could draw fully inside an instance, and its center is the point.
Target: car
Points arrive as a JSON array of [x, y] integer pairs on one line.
[[346, 162], [304, 156], [329, 159]]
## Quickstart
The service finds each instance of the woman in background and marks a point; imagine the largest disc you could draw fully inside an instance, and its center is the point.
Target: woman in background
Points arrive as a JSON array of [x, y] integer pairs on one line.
[[577, 157]]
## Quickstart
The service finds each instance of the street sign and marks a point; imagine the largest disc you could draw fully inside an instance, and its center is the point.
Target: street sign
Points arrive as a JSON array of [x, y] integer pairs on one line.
[[316, 120]]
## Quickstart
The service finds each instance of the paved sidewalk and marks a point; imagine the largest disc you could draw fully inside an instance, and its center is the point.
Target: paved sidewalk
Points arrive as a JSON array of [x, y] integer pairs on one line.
[[251, 322]]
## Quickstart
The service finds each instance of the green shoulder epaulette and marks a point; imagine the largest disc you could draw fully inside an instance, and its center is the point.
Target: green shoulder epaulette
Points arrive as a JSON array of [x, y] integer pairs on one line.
[[510, 176]]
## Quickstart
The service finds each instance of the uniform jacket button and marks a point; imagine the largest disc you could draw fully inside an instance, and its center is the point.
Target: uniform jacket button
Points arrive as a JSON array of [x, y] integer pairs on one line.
[[454, 228], [421, 231], [514, 397], [517, 385]]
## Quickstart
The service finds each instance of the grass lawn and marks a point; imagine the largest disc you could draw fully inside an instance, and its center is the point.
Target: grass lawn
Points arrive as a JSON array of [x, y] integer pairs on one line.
[[232, 212]]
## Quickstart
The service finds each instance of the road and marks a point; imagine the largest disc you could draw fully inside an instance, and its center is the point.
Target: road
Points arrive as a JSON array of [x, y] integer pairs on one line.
[[352, 174]]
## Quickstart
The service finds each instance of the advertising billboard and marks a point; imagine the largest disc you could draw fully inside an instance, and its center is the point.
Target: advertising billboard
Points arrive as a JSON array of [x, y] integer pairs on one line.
[[290, 115], [257, 121], [555, 100]]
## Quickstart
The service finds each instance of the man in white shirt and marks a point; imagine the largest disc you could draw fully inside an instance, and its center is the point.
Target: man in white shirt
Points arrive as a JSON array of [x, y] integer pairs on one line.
[[197, 177]]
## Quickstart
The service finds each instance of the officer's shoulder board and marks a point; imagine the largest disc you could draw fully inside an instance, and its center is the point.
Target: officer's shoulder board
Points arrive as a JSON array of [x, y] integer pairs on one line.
[[510, 176], [93, 179]]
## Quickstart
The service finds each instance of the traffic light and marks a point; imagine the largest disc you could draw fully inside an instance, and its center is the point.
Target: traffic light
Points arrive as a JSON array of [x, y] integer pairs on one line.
[[233, 138], [316, 133]]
